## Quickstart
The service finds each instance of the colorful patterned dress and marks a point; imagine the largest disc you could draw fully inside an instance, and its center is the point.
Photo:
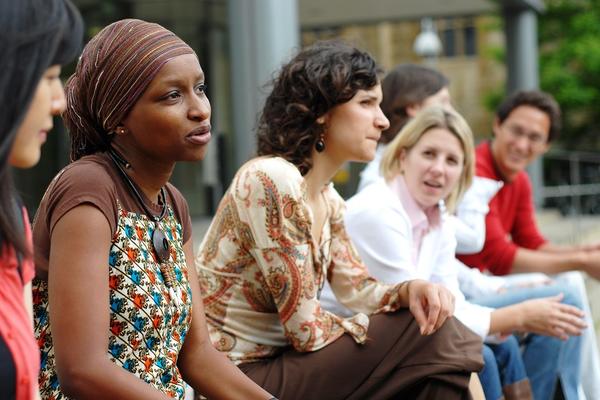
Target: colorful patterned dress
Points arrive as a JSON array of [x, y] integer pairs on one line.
[[148, 321], [261, 272]]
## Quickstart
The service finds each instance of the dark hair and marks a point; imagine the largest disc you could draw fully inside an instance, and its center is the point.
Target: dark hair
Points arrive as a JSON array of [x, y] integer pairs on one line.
[[406, 85], [317, 79], [533, 98], [34, 35]]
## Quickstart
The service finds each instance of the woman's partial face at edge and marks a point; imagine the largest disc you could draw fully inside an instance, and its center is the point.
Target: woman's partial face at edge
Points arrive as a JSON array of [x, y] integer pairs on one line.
[[47, 101], [441, 98], [353, 128], [171, 120]]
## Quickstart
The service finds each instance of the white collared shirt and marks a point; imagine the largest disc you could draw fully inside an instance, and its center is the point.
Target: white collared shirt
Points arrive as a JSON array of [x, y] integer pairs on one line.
[[382, 232]]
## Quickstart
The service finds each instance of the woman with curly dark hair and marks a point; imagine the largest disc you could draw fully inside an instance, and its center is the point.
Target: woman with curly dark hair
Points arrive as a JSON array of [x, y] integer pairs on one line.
[[279, 234]]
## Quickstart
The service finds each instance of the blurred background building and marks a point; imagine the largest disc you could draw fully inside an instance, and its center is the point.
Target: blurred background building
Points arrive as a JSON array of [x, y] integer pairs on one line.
[[485, 47]]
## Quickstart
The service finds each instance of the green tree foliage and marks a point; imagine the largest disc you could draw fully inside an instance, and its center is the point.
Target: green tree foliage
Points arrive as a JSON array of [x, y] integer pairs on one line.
[[569, 34]]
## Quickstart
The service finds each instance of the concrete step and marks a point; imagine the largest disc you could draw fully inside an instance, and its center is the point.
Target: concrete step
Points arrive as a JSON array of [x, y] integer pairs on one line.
[[546, 216], [568, 229]]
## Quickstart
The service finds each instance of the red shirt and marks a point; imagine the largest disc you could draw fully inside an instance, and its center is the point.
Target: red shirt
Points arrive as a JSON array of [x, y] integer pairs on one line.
[[15, 323], [510, 223]]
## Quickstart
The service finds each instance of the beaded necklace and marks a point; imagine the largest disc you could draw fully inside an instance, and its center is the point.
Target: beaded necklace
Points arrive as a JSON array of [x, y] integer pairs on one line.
[[160, 243]]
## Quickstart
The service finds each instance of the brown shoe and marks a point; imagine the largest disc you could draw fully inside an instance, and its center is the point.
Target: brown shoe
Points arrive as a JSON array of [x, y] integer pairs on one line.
[[518, 391]]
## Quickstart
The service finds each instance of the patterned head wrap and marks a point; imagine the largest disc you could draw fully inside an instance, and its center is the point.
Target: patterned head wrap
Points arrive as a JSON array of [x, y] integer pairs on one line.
[[116, 66]]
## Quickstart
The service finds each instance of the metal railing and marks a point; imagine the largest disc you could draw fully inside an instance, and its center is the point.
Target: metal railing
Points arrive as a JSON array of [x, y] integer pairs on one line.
[[572, 182]]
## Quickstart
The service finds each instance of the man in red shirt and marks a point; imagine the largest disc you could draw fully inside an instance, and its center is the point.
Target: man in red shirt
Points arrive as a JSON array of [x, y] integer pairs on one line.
[[526, 124]]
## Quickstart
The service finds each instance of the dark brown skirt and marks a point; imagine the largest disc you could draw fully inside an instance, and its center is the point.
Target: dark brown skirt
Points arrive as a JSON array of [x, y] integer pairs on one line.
[[397, 362]]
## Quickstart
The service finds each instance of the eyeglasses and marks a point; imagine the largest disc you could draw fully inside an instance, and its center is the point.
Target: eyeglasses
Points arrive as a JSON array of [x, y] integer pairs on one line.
[[534, 138]]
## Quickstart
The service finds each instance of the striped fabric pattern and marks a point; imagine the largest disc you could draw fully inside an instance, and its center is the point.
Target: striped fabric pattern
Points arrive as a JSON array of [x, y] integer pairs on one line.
[[116, 66]]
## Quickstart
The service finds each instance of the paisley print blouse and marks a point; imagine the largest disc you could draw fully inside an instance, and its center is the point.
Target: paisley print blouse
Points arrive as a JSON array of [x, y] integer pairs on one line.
[[261, 271], [148, 321]]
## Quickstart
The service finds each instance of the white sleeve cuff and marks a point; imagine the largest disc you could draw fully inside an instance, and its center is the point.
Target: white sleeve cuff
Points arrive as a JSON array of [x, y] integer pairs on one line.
[[475, 317]]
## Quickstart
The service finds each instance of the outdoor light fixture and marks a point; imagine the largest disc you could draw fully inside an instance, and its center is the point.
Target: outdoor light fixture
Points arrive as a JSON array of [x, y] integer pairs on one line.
[[427, 44]]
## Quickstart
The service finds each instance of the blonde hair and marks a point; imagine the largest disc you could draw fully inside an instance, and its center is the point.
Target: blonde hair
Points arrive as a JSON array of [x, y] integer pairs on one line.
[[407, 138]]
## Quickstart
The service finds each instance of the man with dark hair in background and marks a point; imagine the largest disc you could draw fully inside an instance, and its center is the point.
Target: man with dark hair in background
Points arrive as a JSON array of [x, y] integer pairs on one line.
[[526, 123]]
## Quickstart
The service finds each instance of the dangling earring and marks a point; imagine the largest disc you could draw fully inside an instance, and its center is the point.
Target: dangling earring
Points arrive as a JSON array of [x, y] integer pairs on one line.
[[320, 144]]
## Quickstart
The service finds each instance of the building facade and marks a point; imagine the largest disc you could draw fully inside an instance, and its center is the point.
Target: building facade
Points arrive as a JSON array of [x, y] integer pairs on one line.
[[241, 43]]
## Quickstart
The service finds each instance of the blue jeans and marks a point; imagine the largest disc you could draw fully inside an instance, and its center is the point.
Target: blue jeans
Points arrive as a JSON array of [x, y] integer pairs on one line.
[[545, 358], [503, 365]]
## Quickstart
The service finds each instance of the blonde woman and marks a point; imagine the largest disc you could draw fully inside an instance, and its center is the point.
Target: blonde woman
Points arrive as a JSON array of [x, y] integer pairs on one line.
[[400, 231]]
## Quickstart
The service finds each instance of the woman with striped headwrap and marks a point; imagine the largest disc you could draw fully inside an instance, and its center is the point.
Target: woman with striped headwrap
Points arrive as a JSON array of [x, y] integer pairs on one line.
[[36, 38], [118, 312]]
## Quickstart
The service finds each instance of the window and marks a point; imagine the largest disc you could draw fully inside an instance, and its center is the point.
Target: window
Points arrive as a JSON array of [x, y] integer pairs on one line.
[[470, 40], [459, 36], [449, 42]]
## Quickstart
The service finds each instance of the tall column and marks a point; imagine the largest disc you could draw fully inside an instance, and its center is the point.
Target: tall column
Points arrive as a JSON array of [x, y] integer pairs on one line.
[[522, 48], [523, 70], [263, 34]]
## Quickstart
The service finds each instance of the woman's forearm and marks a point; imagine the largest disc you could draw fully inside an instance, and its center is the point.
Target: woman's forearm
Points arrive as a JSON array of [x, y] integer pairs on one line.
[[210, 373], [506, 319], [544, 316], [100, 378]]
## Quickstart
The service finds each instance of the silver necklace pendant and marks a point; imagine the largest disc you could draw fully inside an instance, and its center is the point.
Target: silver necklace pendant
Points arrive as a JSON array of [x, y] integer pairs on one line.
[[160, 244]]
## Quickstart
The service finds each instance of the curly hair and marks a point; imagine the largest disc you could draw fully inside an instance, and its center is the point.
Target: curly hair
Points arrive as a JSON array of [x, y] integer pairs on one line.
[[317, 79]]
